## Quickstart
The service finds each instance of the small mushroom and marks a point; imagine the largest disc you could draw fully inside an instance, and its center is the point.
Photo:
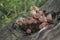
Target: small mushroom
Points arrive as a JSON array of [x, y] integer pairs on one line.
[[28, 31], [34, 8], [44, 24], [49, 17], [30, 21], [19, 21], [43, 19], [34, 20], [32, 13]]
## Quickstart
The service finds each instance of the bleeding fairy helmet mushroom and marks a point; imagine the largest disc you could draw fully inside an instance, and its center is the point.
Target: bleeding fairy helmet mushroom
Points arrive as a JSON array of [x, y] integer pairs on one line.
[[49, 17], [20, 21], [42, 19], [31, 20], [34, 8], [44, 24], [28, 31], [32, 13]]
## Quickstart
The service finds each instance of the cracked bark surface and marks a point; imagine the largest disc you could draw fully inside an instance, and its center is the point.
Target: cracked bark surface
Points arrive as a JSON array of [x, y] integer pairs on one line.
[[48, 33]]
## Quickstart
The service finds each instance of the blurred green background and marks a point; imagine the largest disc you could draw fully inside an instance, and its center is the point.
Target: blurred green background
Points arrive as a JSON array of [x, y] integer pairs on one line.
[[9, 9]]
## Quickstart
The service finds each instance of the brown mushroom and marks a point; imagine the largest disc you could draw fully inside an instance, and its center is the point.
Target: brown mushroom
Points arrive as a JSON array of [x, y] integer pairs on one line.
[[44, 24], [43, 19], [32, 13], [28, 31], [30, 21], [49, 17], [19, 21], [34, 8]]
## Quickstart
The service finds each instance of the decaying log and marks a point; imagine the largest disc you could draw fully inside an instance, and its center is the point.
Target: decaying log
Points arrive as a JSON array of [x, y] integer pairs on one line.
[[51, 32]]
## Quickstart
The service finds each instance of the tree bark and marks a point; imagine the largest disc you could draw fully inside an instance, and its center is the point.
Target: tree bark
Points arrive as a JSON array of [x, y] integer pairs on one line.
[[51, 5]]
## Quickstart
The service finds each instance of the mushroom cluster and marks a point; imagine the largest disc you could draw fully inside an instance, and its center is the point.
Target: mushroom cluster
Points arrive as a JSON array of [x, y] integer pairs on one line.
[[36, 20]]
